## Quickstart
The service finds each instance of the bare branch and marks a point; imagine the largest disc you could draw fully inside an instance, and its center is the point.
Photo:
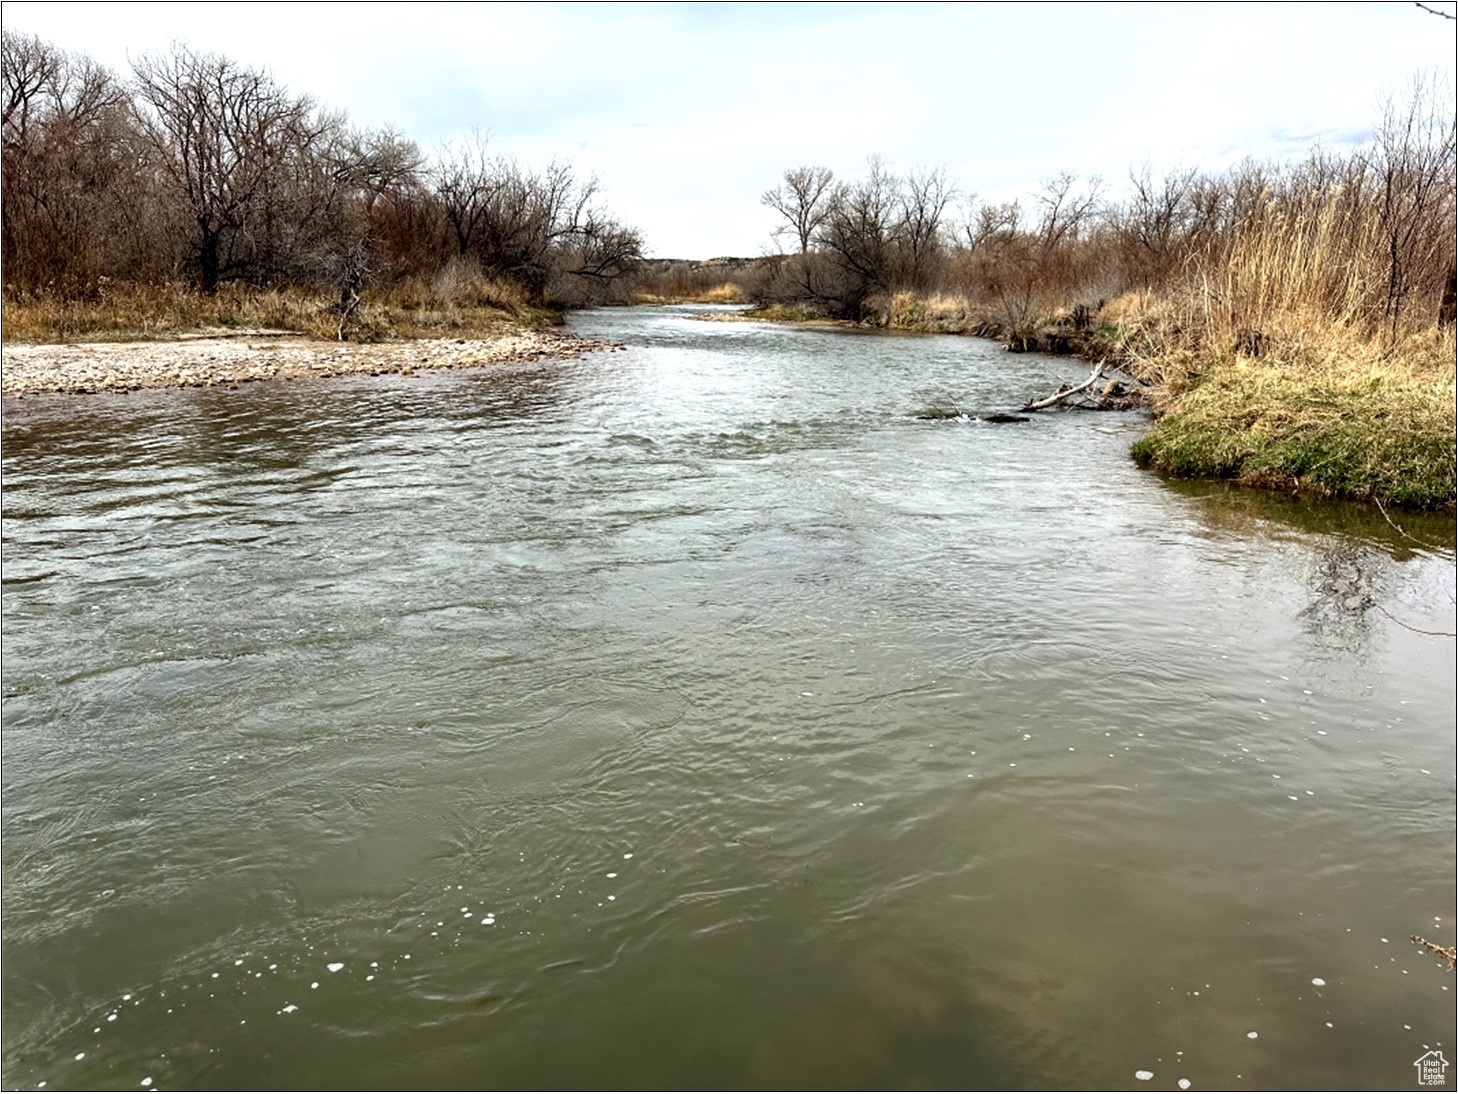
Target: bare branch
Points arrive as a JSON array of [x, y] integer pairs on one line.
[[1404, 534], [1410, 627], [1064, 391], [803, 200]]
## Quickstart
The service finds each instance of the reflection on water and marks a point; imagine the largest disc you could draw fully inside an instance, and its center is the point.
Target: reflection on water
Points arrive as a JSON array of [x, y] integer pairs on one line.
[[1350, 549], [698, 717], [1259, 512]]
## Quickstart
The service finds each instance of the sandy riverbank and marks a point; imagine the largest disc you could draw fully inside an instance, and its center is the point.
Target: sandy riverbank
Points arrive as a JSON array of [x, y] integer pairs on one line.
[[94, 367]]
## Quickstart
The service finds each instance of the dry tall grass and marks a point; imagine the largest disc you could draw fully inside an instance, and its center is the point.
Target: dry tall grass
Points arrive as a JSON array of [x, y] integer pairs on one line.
[[457, 300], [1306, 352]]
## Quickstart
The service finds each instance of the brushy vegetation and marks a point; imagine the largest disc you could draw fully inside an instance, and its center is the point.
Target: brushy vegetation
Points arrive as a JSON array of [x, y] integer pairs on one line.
[[1293, 323], [685, 281], [196, 192], [1313, 346]]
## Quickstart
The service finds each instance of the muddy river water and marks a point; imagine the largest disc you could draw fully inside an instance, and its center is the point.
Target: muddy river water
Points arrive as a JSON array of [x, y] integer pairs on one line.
[[697, 716]]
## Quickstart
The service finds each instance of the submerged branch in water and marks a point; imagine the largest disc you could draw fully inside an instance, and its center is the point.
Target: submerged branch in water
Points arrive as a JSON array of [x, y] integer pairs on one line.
[[1450, 952], [1410, 627]]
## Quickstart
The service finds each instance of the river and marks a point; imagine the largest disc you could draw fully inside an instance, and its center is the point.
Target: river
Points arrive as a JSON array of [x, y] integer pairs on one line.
[[696, 716]]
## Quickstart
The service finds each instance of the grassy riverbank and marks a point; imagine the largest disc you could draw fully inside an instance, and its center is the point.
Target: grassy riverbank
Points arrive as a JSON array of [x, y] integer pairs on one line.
[[1378, 431], [1339, 410]]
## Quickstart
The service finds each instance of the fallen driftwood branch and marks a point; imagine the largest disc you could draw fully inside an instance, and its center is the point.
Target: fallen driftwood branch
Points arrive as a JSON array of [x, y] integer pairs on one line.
[[1116, 395], [1119, 393], [1065, 392]]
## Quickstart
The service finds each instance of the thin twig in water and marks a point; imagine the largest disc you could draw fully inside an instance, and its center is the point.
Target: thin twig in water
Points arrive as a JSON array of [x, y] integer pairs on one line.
[[1410, 627], [1405, 535], [1435, 11]]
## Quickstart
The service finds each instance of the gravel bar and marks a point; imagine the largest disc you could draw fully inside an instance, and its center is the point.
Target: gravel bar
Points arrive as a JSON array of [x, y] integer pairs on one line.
[[97, 367]]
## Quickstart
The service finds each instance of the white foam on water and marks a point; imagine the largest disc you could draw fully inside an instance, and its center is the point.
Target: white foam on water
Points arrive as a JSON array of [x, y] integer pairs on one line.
[[1184, 1084], [488, 920], [147, 1081], [613, 873], [80, 1055], [1252, 1035], [628, 855], [1318, 981], [314, 985], [334, 966], [288, 1008], [1144, 1076]]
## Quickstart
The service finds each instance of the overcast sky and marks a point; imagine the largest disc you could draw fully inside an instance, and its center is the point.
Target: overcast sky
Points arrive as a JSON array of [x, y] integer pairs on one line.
[[688, 112]]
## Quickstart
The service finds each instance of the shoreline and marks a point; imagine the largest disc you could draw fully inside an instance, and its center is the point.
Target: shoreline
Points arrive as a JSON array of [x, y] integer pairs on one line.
[[1360, 430], [95, 368]]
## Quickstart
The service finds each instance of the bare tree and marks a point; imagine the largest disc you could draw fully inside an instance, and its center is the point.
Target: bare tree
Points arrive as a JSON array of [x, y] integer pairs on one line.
[[1412, 162], [860, 233], [1157, 221], [803, 199], [923, 198], [1064, 210], [72, 197], [204, 165], [465, 180], [29, 66], [224, 136], [985, 225], [600, 253]]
